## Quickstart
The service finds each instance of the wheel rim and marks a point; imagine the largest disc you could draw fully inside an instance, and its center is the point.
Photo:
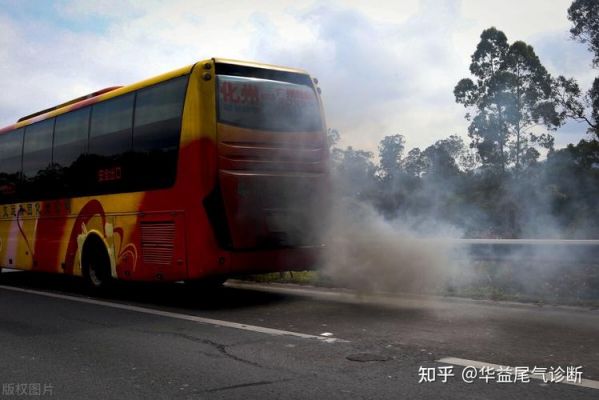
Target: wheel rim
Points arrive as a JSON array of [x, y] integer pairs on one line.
[[94, 277]]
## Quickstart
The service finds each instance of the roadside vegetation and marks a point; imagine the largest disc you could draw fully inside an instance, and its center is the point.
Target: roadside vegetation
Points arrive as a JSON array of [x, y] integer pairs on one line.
[[573, 285], [507, 180]]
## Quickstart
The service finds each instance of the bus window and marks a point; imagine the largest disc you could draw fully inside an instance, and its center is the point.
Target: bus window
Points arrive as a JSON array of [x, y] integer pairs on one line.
[[110, 129], [158, 116], [267, 105], [70, 137], [156, 132], [37, 160], [10, 164], [70, 148], [37, 148]]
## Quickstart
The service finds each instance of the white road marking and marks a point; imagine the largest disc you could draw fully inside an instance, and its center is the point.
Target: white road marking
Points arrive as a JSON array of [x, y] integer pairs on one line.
[[587, 383], [186, 317]]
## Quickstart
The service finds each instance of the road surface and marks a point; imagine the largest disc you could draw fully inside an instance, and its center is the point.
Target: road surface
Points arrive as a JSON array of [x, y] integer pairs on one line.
[[276, 341]]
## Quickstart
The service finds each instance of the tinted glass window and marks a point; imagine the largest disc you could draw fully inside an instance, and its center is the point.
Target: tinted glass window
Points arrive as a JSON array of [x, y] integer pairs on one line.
[[111, 148], [158, 112], [38, 175], [10, 163], [70, 137], [268, 105], [37, 148], [110, 130], [263, 73], [10, 152], [156, 133]]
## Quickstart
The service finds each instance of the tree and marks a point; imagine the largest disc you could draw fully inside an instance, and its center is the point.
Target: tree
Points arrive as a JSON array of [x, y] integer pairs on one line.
[[353, 171], [584, 14], [487, 127], [415, 164], [569, 96], [513, 94], [390, 153], [443, 157], [333, 138], [530, 97], [594, 95]]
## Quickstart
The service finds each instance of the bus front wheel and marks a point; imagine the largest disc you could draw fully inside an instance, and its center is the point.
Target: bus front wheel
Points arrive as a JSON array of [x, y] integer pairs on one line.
[[95, 265]]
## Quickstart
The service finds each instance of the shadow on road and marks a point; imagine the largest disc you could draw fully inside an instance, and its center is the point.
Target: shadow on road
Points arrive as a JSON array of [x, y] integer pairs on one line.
[[176, 295]]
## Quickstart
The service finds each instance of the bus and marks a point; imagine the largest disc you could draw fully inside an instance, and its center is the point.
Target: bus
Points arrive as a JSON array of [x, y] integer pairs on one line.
[[213, 170]]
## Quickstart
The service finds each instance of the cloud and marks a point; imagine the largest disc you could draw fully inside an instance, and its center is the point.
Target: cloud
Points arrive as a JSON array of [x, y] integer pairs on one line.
[[378, 78], [384, 69], [518, 19]]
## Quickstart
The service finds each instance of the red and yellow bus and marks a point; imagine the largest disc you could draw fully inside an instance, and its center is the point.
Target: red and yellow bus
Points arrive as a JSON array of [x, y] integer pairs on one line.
[[214, 169]]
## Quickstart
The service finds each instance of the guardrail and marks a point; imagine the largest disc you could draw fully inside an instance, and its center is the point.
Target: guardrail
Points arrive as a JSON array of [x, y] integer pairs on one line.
[[525, 249]]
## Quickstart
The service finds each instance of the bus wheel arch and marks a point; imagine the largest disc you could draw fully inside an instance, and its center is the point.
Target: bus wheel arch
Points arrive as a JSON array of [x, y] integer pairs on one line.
[[95, 262]]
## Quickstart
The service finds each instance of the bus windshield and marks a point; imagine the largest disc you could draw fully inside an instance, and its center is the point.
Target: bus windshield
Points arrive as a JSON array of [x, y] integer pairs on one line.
[[264, 104]]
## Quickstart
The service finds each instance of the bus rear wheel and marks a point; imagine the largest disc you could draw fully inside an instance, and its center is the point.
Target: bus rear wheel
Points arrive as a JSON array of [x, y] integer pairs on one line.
[[96, 266]]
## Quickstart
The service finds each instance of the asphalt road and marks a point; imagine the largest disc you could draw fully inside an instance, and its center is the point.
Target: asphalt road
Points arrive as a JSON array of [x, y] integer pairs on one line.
[[266, 341]]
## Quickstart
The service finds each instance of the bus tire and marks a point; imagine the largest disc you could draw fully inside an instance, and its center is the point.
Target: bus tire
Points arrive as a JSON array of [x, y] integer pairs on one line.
[[95, 265]]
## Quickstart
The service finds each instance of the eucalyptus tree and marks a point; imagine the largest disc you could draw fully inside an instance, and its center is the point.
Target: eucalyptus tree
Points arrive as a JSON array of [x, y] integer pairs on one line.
[[415, 163], [584, 14], [353, 171], [486, 113], [391, 150], [512, 96]]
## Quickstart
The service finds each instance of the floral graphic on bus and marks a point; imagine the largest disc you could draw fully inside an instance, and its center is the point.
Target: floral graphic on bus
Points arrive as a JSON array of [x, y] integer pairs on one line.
[[125, 254], [94, 209]]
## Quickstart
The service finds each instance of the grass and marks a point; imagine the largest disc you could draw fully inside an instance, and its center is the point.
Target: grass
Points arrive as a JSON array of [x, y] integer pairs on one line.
[[296, 277]]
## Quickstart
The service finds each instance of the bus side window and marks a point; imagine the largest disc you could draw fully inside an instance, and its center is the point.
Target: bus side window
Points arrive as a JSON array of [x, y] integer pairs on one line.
[[11, 145], [110, 139], [156, 132], [70, 148], [110, 130], [37, 160]]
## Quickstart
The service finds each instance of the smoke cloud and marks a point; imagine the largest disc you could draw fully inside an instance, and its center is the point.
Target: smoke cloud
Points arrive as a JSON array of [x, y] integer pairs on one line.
[[452, 229], [369, 253]]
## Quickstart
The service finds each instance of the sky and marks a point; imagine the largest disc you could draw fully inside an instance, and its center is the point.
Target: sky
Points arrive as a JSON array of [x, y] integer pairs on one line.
[[385, 67]]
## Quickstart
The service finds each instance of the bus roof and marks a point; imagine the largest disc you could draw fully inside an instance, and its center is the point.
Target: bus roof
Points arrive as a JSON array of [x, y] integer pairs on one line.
[[114, 91]]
